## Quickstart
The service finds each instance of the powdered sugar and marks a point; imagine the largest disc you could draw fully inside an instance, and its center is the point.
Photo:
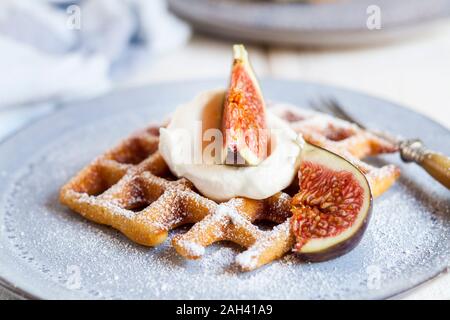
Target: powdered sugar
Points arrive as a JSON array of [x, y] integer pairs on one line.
[[407, 237], [229, 210], [193, 248], [248, 259]]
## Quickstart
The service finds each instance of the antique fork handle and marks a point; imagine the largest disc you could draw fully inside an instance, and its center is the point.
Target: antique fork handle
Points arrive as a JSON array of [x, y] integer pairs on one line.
[[436, 164]]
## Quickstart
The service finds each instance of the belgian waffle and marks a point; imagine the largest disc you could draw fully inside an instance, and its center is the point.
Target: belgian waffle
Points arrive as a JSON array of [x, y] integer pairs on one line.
[[131, 189], [345, 139]]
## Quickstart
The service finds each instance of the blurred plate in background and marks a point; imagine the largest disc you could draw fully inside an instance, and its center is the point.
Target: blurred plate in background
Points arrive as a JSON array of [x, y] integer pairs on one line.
[[337, 23]]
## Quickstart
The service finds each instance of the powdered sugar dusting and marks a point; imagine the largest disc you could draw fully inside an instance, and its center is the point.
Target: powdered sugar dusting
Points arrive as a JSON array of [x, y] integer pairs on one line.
[[193, 248], [249, 258], [229, 210], [407, 237]]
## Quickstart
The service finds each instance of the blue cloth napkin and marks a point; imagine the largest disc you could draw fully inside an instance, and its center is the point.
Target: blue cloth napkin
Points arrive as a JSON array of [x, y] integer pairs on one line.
[[58, 50], [53, 51]]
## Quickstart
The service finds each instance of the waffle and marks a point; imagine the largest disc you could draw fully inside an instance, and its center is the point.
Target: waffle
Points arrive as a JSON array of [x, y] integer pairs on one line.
[[131, 189], [345, 139]]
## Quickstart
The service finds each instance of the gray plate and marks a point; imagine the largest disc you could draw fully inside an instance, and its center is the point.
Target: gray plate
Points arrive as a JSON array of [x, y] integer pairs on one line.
[[48, 252], [340, 23]]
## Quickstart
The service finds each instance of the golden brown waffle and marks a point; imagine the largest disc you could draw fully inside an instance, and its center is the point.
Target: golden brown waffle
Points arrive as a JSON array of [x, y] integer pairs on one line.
[[233, 221], [131, 189], [344, 138]]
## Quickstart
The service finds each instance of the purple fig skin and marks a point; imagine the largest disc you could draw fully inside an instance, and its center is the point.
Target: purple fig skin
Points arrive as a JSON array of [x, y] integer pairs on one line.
[[340, 248]]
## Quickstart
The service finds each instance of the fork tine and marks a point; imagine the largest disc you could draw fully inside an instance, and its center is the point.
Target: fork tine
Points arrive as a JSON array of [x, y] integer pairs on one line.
[[331, 106], [337, 110], [314, 105], [323, 105], [340, 110], [320, 105]]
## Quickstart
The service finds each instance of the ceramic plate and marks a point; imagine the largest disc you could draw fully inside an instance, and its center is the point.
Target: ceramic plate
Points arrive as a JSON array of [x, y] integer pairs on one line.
[[47, 251], [338, 23]]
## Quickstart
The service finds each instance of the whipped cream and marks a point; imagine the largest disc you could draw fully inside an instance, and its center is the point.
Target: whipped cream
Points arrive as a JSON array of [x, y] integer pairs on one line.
[[184, 137]]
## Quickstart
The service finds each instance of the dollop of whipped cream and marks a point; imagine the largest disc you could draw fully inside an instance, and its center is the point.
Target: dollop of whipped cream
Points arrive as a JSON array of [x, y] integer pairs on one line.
[[186, 146]]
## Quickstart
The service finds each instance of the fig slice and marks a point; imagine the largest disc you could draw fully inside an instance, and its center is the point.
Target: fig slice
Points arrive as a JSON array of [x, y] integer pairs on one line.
[[331, 211], [244, 125]]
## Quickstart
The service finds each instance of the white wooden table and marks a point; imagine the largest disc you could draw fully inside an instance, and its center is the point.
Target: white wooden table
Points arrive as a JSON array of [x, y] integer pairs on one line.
[[413, 73]]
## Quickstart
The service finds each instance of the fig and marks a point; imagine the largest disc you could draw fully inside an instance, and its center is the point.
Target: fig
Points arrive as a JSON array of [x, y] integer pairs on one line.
[[244, 125], [331, 211]]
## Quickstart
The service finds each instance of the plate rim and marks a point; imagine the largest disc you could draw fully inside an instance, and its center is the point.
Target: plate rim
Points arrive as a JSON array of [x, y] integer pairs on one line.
[[29, 294]]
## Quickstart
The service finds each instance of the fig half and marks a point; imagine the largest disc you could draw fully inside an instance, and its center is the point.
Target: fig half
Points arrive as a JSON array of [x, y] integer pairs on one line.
[[244, 115], [331, 211]]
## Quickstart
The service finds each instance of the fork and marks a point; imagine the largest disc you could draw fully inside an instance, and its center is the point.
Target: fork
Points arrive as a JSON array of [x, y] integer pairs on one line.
[[411, 150]]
